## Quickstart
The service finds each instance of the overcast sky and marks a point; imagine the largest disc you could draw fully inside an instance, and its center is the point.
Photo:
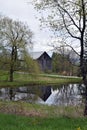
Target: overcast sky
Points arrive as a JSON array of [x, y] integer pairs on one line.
[[23, 11]]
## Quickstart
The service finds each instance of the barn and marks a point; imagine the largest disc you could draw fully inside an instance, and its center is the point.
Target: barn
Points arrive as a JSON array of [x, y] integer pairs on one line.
[[44, 60]]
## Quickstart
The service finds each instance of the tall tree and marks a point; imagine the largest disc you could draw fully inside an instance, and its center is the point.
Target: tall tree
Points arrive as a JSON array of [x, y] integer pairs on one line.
[[68, 19], [85, 71], [14, 36]]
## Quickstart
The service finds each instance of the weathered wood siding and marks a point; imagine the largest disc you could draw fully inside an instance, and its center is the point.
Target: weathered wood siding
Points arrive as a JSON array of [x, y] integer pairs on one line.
[[45, 62]]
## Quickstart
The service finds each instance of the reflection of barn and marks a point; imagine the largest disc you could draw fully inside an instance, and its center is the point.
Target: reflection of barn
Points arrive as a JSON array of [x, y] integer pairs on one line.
[[43, 59], [25, 92]]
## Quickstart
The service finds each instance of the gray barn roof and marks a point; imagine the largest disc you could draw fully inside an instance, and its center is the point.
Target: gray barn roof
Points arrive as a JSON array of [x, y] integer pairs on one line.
[[36, 55]]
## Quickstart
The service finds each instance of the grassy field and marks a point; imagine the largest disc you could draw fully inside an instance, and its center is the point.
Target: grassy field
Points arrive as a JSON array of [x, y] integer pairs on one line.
[[13, 122], [22, 79]]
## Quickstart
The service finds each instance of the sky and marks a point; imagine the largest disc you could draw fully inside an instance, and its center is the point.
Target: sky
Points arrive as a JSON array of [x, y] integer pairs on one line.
[[22, 10]]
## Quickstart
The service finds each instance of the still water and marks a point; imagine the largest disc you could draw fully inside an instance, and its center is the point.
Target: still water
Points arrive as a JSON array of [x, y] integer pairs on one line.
[[63, 95]]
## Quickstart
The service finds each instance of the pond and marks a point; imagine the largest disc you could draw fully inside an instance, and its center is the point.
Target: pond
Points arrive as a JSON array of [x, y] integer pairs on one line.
[[62, 95]]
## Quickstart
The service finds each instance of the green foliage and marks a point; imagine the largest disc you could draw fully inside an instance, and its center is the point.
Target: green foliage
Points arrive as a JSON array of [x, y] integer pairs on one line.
[[31, 65], [12, 122], [4, 75], [57, 63], [14, 38], [62, 65]]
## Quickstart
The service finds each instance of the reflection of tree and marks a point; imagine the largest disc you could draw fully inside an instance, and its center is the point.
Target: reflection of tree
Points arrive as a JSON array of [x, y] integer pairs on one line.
[[68, 95], [11, 94], [85, 110]]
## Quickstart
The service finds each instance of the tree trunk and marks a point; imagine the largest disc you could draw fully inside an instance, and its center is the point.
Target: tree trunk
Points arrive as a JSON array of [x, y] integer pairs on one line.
[[85, 109], [12, 65], [11, 73], [82, 56], [13, 60], [83, 71]]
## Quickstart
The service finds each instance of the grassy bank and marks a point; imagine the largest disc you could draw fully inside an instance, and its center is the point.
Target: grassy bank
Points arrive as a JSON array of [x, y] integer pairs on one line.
[[27, 116], [27, 109], [23, 79], [13, 122]]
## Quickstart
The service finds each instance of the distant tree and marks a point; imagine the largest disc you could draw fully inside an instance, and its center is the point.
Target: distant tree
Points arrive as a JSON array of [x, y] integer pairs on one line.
[[4, 58], [63, 64], [31, 65], [14, 37]]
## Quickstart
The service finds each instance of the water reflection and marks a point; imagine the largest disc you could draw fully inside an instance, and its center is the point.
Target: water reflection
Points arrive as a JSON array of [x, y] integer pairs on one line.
[[66, 95], [71, 94]]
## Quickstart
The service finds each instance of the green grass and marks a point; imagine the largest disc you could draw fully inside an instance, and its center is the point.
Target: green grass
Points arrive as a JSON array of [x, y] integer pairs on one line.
[[24, 79], [13, 122], [25, 116]]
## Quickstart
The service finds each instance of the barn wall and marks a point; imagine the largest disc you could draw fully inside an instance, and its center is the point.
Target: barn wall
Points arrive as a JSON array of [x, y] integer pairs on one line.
[[45, 62]]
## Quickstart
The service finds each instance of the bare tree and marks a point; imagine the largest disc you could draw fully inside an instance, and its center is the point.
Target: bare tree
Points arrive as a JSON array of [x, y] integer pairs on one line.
[[68, 19], [14, 36]]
